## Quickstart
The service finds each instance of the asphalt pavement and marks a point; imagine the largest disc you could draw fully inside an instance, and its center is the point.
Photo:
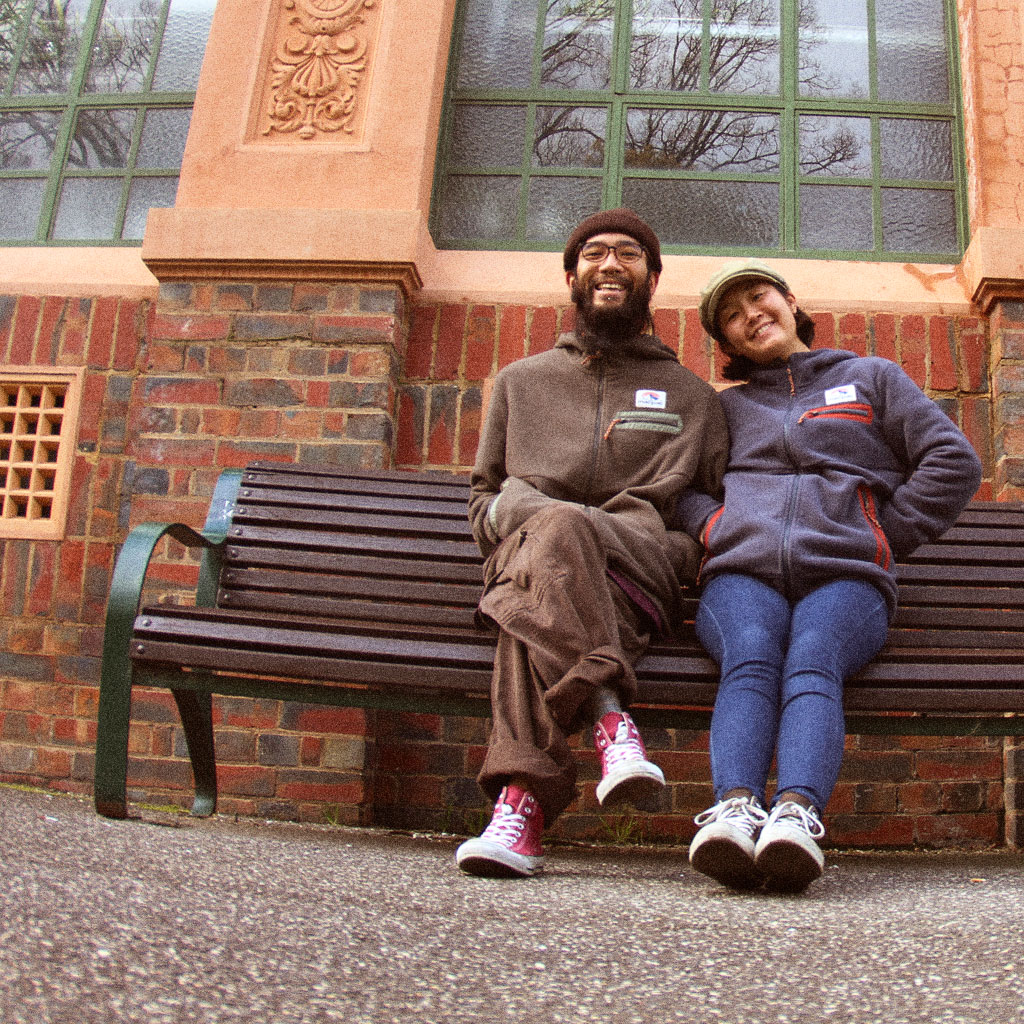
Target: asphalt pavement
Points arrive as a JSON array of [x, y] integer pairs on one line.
[[167, 919]]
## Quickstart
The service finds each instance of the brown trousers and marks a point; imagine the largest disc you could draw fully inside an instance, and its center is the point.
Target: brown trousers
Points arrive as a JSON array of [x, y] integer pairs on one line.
[[564, 630]]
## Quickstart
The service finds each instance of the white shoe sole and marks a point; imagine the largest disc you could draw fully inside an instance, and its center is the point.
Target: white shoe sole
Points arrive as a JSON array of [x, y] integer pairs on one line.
[[637, 784], [789, 862], [491, 860], [726, 854]]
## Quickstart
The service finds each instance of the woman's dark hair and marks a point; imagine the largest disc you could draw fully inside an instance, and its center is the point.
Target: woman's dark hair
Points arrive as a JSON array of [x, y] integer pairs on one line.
[[739, 367]]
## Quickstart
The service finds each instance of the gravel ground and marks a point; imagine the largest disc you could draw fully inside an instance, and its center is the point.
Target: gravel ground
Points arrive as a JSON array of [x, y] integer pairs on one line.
[[166, 919]]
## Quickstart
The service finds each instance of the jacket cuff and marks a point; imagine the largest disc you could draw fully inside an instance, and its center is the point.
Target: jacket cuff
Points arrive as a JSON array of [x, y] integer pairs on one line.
[[693, 510]]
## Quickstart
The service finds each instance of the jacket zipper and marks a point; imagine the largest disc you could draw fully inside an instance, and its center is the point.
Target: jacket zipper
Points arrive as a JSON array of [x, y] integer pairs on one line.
[[596, 449], [883, 553], [859, 411], [785, 554]]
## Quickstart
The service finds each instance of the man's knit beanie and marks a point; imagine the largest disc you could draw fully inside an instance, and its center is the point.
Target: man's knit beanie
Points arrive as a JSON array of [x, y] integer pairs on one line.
[[621, 219]]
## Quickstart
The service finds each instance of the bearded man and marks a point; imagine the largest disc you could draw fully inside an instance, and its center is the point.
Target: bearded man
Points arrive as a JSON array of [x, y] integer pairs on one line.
[[582, 456]]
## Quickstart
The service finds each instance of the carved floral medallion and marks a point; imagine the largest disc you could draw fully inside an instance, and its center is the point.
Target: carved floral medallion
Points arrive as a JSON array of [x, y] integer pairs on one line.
[[317, 69]]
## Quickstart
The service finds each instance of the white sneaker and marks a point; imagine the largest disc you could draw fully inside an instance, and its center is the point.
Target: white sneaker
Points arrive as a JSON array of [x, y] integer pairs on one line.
[[787, 853], [724, 846]]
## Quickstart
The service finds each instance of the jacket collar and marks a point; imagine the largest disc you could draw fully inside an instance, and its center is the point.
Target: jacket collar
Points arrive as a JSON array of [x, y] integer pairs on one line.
[[643, 346], [802, 366]]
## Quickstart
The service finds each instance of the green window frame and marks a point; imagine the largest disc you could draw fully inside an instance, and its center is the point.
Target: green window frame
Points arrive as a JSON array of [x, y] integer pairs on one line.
[[811, 128], [95, 103]]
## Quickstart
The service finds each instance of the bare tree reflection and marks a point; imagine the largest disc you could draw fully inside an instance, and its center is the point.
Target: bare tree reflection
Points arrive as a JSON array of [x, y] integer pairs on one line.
[[671, 52], [119, 60]]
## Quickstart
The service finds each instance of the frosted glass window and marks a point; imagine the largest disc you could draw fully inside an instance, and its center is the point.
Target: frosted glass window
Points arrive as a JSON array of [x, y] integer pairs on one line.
[[834, 58], [95, 105], [727, 213], [488, 136], [836, 217], [777, 127], [744, 47], [183, 46]]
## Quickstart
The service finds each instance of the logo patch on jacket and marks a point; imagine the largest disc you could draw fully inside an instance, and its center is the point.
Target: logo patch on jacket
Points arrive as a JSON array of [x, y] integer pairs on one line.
[[647, 399], [843, 393]]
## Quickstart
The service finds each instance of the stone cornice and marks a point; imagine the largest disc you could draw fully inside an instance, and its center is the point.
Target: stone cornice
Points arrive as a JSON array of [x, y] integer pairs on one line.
[[991, 290], [403, 274]]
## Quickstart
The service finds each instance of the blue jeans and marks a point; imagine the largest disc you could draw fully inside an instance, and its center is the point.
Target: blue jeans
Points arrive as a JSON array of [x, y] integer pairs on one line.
[[783, 667]]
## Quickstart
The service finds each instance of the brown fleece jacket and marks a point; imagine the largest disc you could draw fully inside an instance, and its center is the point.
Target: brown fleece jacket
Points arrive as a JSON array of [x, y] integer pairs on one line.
[[622, 436]]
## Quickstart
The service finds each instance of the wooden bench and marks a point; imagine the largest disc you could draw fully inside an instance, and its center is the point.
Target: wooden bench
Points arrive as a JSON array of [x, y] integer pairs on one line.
[[358, 589]]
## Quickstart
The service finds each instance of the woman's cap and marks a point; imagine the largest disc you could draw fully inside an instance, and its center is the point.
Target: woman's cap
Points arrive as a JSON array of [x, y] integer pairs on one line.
[[721, 282]]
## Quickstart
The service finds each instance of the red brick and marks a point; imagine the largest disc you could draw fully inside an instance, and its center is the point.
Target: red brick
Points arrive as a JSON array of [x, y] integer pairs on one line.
[[51, 325], [469, 426], [666, 327], [853, 333], [543, 328], [126, 339], [23, 331], [320, 786], [181, 391], [974, 355], [977, 425], [480, 342], [961, 764], [442, 425], [511, 335], [914, 349], [942, 354], [53, 764], [450, 334], [76, 325], [824, 330], [189, 327], [101, 332], [42, 578], [697, 346], [957, 829], [883, 328], [172, 452], [325, 720], [420, 346], [871, 830], [409, 435]]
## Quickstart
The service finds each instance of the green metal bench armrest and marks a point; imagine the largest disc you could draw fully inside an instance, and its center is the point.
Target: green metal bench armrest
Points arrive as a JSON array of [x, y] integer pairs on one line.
[[116, 671]]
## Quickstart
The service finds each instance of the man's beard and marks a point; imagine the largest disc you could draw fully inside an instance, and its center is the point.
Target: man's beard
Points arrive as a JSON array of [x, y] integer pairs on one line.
[[604, 330]]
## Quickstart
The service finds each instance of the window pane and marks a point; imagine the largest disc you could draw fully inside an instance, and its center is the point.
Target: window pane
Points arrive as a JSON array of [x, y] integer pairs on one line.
[[163, 138], [706, 213], [183, 45], [577, 44], [103, 138], [488, 136], [912, 63], [27, 138], [88, 208], [744, 47], [706, 140], [557, 205], [570, 137], [480, 207], [837, 146], [123, 46], [918, 220], [146, 193], [665, 51], [834, 48], [20, 202], [497, 45], [11, 17], [916, 149], [834, 217], [54, 41]]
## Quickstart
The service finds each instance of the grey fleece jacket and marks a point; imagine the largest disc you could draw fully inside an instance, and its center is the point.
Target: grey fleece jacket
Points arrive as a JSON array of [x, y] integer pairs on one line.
[[838, 465], [621, 437]]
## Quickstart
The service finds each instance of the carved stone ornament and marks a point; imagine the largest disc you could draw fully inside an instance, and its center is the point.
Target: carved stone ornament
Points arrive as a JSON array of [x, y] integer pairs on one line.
[[316, 70]]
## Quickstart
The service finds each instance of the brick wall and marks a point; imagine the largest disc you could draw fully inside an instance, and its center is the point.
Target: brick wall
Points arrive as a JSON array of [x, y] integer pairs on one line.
[[213, 375]]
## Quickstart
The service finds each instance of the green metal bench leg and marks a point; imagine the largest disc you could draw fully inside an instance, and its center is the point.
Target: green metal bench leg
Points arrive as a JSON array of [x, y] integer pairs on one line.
[[196, 711]]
